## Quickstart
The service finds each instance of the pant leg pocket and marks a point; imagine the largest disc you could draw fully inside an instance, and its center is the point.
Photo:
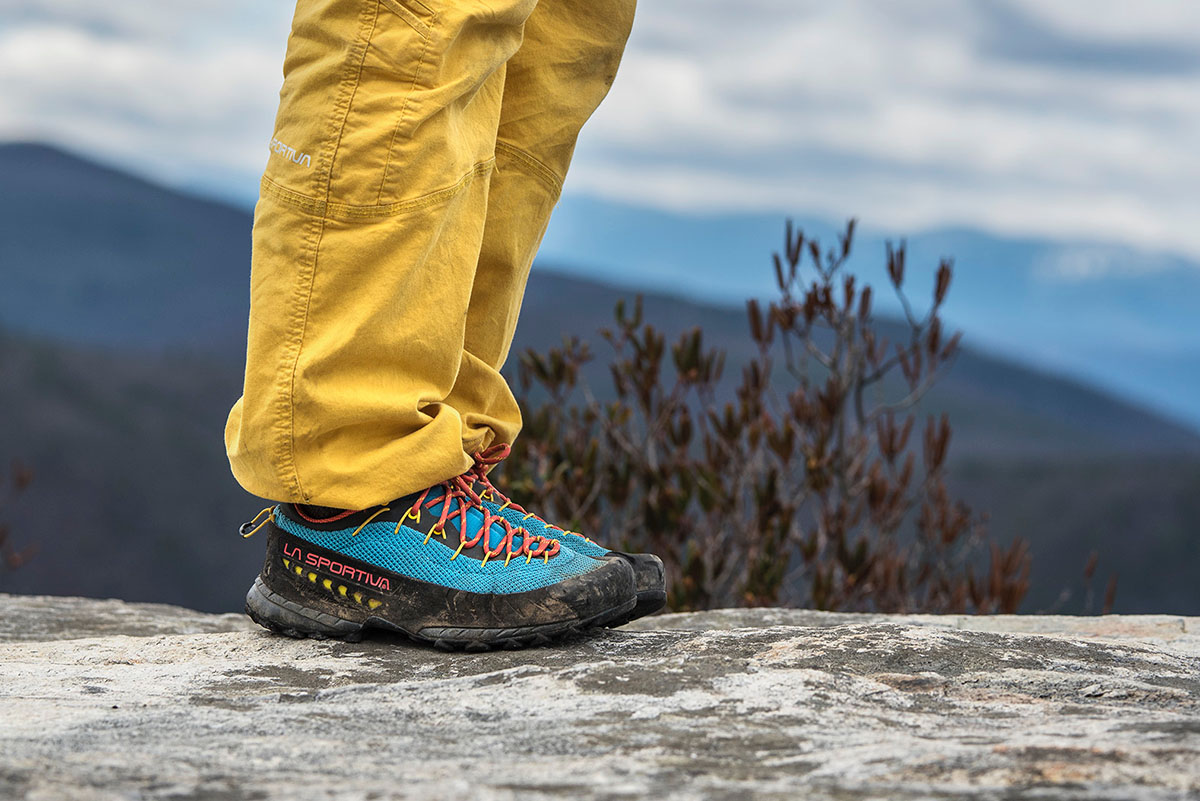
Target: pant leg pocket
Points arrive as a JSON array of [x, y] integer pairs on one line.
[[395, 67], [414, 13]]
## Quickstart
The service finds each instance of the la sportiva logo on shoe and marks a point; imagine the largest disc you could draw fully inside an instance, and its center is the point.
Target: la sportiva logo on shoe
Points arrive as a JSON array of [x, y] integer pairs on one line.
[[323, 563]]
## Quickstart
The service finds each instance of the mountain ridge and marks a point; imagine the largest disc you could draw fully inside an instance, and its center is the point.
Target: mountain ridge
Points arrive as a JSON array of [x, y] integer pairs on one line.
[[1134, 338], [1121, 319], [133, 495]]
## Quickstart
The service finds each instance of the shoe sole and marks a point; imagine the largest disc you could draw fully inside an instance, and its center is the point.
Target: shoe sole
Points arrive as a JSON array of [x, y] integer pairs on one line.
[[651, 581], [648, 602], [272, 611]]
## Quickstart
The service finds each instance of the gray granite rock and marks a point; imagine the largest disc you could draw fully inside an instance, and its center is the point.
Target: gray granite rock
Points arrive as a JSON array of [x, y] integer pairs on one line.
[[41, 618], [105, 700]]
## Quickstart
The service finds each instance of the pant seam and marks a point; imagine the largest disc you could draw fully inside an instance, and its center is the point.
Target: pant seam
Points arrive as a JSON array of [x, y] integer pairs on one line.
[[400, 120], [533, 165], [349, 212], [298, 324]]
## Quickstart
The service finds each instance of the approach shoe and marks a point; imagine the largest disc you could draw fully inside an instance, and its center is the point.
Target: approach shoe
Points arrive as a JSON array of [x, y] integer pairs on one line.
[[648, 572], [437, 566]]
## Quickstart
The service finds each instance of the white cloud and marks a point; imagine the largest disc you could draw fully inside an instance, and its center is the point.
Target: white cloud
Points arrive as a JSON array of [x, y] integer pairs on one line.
[[1065, 118], [184, 91], [1119, 20], [913, 115]]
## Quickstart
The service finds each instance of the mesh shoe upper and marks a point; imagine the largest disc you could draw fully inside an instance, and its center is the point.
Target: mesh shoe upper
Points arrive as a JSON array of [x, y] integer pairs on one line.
[[536, 525], [448, 537]]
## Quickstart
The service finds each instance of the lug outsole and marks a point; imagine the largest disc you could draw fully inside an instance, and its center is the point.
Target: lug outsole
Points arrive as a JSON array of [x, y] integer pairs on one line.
[[283, 616]]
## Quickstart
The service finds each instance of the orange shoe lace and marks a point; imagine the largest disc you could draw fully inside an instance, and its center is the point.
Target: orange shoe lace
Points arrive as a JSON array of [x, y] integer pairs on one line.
[[490, 457], [459, 489]]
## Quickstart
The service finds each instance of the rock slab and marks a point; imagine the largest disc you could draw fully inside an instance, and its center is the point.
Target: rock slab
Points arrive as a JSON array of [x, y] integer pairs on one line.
[[107, 700]]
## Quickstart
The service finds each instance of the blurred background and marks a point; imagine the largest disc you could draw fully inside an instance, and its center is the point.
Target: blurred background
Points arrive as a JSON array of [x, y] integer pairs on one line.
[[1048, 147]]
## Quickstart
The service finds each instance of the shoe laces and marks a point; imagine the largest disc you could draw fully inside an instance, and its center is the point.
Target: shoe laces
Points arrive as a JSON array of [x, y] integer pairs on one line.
[[459, 490], [489, 458]]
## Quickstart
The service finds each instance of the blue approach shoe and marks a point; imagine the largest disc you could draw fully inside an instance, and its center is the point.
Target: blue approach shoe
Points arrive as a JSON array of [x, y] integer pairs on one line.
[[648, 572], [438, 566]]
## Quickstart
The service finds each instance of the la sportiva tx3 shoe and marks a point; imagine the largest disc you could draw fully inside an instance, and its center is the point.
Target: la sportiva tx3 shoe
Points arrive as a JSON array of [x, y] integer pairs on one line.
[[649, 574], [437, 566]]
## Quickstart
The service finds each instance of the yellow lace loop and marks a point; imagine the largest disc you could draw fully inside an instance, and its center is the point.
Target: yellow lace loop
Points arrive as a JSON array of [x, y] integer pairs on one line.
[[441, 532], [270, 517], [368, 520]]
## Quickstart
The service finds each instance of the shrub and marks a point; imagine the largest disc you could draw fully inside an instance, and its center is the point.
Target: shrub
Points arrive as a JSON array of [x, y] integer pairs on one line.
[[12, 557], [813, 485]]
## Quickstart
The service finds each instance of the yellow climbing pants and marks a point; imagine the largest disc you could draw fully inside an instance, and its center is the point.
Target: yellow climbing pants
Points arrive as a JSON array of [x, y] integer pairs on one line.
[[419, 148]]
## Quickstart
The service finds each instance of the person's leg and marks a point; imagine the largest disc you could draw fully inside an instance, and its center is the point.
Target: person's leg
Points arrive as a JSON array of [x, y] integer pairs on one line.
[[563, 70], [366, 239]]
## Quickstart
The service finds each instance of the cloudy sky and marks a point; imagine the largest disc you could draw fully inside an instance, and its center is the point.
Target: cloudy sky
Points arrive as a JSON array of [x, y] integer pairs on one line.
[[1066, 118]]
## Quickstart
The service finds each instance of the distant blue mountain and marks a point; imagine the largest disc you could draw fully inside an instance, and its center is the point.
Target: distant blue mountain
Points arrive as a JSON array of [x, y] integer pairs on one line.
[[122, 324], [1122, 319], [94, 255]]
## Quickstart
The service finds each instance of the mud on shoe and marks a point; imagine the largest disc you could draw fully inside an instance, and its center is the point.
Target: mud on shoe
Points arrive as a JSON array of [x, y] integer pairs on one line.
[[437, 566], [648, 571]]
